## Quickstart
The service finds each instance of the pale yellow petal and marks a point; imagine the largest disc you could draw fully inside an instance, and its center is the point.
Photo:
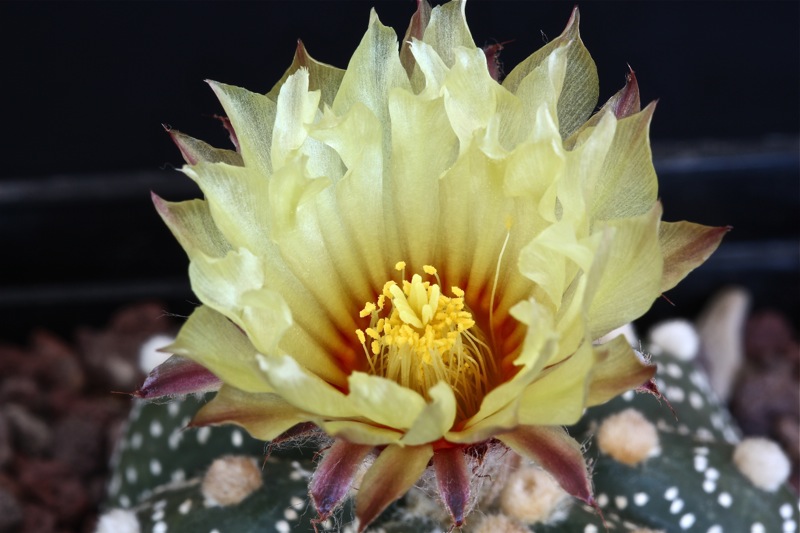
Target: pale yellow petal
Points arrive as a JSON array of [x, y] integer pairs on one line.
[[372, 72], [626, 276], [192, 225], [470, 100], [430, 67], [252, 116], [415, 170], [357, 432], [558, 397], [238, 202], [627, 184], [448, 30], [435, 419], [216, 343], [385, 402], [304, 390], [296, 107]]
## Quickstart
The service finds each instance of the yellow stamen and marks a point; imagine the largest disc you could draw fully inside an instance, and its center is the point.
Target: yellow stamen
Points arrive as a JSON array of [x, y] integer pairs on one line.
[[426, 338]]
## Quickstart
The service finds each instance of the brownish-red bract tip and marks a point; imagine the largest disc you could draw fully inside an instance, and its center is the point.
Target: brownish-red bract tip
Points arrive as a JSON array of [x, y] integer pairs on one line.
[[452, 479], [177, 376]]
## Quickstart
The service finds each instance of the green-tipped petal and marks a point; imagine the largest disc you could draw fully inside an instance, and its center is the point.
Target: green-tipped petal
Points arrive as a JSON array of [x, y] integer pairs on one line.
[[448, 30], [373, 71], [581, 88], [627, 185], [321, 76], [264, 416], [252, 116], [686, 246], [618, 369], [194, 150], [192, 225]]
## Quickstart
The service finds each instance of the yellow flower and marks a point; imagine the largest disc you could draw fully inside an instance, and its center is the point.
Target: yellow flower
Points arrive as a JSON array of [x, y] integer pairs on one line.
[[416, 258]]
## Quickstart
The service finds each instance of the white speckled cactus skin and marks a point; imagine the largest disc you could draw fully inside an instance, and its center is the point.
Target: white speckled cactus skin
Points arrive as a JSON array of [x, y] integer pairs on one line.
[[691, 485]]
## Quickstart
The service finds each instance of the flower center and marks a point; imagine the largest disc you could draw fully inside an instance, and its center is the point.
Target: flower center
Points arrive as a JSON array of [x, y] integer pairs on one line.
[[418, 337]]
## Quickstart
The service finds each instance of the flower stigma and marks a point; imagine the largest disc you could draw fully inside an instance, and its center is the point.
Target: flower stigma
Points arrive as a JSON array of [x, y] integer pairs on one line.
[[418, 337]]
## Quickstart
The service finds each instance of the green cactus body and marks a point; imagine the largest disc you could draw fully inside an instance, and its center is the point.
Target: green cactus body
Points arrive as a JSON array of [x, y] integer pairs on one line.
[[691, 484]]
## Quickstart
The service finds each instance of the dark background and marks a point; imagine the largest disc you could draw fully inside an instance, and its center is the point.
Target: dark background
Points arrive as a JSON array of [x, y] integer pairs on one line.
[[85, 87]]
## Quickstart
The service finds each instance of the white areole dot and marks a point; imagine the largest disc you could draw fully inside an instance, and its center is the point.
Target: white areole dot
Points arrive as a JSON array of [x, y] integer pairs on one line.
[[621, 502], [641, 498], [602, 500], [686, 521], [282, 526], [676, 507], [695, 400], [712, 474], [671, 493], [757, 527], [155, 467], [709, 486], [725, 499], [156, 429], [160, 527], [590, 528], [786, 511], [203, 434], [185, 507], [700, 463], [236, 438]]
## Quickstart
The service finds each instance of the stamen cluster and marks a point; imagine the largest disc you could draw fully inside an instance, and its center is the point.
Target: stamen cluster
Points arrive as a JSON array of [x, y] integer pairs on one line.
[[420, 337]]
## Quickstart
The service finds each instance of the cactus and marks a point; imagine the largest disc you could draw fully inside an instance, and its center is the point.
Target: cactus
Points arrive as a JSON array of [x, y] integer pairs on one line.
[[162, 472]]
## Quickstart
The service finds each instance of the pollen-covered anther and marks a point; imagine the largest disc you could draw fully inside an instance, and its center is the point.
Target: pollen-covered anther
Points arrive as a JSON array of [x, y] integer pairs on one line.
[[425, 337]]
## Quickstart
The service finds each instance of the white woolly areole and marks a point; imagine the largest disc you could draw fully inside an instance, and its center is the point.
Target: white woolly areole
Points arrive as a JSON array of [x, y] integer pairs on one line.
[[628, 437], [118, 521], [762, 462], [149, 356], [499, 523], [627, 331], [231, 479], [531, 495], [677, 337]]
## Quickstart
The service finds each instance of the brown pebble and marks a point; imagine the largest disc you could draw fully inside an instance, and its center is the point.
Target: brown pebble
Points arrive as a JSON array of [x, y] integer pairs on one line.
[[38, 519], [22, 390], [6, 444], [53, 484], [768, 338], [31, 434], [58, 364], [10, 511], [80, 443]]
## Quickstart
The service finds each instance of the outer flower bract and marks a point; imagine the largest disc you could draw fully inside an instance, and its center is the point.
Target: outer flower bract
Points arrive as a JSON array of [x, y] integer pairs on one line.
[[416, 258]]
